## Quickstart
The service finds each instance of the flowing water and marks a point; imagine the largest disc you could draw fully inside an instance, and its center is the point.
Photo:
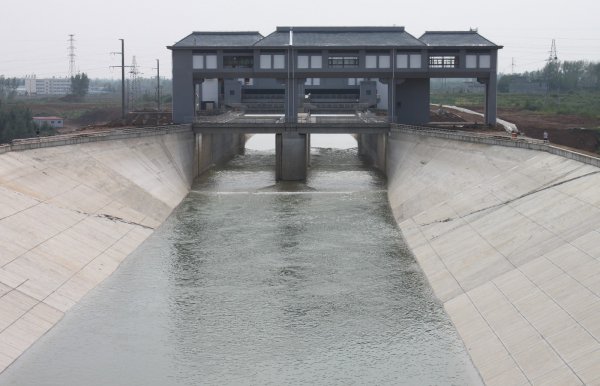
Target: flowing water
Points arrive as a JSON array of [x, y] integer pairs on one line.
[[253, 282]]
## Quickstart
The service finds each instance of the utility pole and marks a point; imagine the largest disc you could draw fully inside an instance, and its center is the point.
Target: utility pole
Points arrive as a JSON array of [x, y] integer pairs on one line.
[[122, 53], [513, 66], [157, 85]]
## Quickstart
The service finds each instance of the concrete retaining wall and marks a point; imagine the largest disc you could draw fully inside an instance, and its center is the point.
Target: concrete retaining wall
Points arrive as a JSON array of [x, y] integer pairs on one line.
[[70, 214], [373, 148], [509, 239]]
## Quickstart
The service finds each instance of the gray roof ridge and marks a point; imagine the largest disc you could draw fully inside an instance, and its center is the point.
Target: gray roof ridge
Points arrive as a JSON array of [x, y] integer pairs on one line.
[[340, 29], [226, 33], [452, 32]]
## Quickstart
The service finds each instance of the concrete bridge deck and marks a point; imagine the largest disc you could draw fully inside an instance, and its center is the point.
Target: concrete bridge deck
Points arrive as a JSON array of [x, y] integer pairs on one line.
[[301, 128]]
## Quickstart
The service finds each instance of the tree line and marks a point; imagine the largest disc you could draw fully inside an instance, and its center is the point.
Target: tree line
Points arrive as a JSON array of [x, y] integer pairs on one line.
[[559, 76], [8, 86]]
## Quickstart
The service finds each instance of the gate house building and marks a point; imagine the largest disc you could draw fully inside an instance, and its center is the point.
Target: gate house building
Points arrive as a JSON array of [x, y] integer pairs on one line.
[[332, 68]]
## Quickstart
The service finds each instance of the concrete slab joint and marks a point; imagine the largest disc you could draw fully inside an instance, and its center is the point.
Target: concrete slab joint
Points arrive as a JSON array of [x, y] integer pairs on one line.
[[508, 239], [70, 215]]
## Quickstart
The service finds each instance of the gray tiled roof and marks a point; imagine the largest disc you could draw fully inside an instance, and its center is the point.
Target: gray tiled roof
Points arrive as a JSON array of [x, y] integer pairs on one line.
[[219, 39], [341, 37], [455, 39]]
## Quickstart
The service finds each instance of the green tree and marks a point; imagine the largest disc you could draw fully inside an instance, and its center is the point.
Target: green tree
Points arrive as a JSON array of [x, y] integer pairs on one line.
[[80, 85], [16, 122]]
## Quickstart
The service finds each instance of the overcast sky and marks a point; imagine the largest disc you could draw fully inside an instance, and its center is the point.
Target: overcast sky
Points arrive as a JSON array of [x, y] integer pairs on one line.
[[34, 33]]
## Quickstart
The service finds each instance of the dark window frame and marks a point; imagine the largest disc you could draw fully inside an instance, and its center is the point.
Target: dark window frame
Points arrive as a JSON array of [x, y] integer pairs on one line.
[[444, 61], [345, 61]]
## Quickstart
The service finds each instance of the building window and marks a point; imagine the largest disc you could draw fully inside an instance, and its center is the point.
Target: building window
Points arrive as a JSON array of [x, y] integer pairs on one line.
[[408, 61], [402, 61], [238, 61], [265, 62], [343, 61], [198, 62], [316, 61], [310, 61], [354, 81], [377, 61], [415, 61], [272, 61], [210, 62], [201, 62], [303, 61], [313, 82], [484, 61], [384, 61], [371, 61], [278, 61], [471, 61], [443, 61]]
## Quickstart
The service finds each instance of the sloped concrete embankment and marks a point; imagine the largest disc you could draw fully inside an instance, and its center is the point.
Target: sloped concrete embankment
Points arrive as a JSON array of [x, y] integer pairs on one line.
[[510, 241], [69, 215]]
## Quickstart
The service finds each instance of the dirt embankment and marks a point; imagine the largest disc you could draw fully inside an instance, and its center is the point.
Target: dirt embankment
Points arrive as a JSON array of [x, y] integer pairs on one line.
[[566, 130]]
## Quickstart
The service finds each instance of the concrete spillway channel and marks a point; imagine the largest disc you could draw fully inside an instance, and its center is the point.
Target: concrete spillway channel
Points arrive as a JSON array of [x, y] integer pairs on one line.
[[508, 237]]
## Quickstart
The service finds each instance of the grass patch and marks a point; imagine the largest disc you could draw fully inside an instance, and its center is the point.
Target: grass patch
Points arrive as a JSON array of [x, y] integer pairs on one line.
[[583, 103]]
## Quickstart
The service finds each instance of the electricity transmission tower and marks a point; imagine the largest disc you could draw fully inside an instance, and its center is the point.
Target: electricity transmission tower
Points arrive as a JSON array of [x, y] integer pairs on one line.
[[71, 56], [134, 84], [553, 58], [552, 72]]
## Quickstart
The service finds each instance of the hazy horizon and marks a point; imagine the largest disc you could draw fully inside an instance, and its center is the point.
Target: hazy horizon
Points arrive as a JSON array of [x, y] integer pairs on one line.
[[36, 35]]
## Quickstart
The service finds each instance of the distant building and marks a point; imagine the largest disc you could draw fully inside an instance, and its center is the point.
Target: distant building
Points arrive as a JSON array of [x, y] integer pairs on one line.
[[54, 122], [47, 86]]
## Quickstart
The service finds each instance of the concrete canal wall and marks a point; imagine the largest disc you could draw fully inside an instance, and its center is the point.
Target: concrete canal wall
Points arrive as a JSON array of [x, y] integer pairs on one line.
[[72, 209], [509, 239]]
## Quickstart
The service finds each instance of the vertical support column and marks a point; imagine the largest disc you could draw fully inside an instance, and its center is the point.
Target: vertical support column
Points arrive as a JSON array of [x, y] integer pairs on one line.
[[373, 147], [183, 87], [294, 98], [391, 85], [291, 153], [490, 100], [411, 101]]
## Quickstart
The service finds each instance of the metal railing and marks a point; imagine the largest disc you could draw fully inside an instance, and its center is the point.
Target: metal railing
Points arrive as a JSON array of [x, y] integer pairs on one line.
[[90, 136], [507, 140], [473, 134], [303, 118]]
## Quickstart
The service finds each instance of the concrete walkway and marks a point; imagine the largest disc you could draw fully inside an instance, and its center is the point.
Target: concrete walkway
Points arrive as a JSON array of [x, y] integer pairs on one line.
[[69, 215], [510, 241]]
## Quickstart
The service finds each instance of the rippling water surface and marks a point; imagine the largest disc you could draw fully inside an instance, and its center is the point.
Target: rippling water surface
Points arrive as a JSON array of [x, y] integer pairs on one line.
[[253, 282]]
